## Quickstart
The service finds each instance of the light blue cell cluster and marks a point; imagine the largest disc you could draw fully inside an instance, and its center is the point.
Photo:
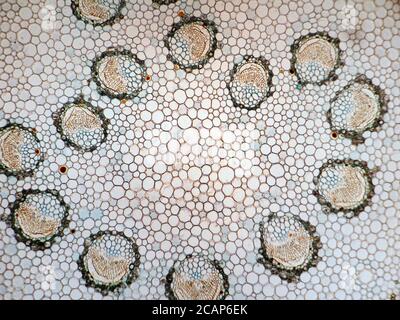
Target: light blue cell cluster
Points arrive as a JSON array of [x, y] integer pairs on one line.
[[195, 268], [277, 229], [341, 108], [248, 95], [29, 159], [312, 72], [115, 246], [87, 138], [330, 178], [180, 51], [47, 204], [132, 72]]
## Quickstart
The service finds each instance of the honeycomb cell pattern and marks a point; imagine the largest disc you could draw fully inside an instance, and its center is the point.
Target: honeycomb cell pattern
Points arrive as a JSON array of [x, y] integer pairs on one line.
[[184, 171], [197, 278]]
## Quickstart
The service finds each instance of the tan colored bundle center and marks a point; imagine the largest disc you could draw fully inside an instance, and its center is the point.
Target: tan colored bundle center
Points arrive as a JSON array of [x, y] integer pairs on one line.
[[208, 288], [198, 38], [10, 142], [294, 252], [79, 117], [34, 224], [351, 191], [110, 75], [92, 9], [317, 50], [252, 74], [106, 269]]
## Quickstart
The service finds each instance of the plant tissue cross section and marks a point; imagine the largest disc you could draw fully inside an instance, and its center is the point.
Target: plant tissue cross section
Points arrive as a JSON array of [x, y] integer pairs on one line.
[[162, 149]]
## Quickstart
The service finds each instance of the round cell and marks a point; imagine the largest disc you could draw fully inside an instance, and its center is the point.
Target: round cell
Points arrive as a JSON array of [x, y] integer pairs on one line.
[[81, 125], [250, 82], [191, 43], [20, 152], [118, 74], [109, 261], [315, 57], [196, 278], [98, 12], [289, 245], [344, 186], [358, 107], [38, 217]]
